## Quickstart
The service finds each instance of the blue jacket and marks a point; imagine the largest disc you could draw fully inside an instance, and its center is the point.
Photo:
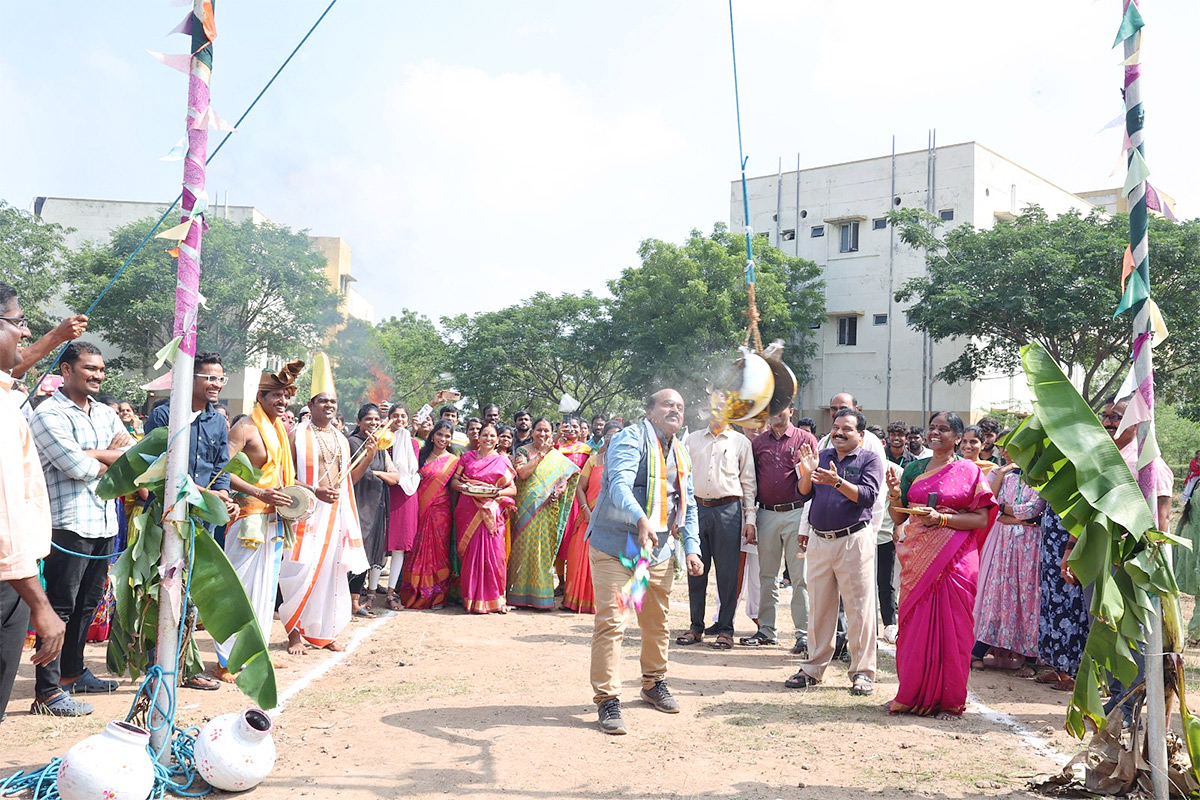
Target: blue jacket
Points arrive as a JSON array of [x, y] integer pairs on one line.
[[622, 501]]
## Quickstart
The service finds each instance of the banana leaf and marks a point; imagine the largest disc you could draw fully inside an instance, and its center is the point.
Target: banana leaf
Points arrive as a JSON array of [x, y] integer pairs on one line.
[[1071, 460], [240, 465], [222, 603], [118, 479]]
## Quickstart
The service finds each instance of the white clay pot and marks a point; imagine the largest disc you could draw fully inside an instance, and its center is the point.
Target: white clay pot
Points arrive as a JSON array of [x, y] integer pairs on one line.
[[112, 765], [235, 752], [754, 384]]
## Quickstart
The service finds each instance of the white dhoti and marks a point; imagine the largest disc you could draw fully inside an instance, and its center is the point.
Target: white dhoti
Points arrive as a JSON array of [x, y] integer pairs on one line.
[[258, 570], [314, 577]]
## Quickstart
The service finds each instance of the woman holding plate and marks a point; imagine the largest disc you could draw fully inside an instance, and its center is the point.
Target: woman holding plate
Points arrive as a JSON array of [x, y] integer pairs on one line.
[[544, 476], [485, 483], [949, 508]]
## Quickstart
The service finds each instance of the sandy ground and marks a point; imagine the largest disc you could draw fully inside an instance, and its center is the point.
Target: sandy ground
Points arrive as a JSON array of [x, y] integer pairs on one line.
[[433, 704], [437, 704]]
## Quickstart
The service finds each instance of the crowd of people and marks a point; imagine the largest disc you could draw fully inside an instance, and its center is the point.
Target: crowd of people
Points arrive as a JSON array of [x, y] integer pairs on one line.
[[922, 537]]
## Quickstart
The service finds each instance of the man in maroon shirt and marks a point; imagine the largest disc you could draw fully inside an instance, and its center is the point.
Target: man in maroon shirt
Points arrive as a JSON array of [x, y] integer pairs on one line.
[[776, 452]]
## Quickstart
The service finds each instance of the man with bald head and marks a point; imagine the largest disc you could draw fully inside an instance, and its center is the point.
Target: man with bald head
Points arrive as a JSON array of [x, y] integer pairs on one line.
[[646, 503]]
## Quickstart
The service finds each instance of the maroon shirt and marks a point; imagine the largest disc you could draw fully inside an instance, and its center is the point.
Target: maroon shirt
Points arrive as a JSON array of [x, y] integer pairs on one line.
[[775, 464]]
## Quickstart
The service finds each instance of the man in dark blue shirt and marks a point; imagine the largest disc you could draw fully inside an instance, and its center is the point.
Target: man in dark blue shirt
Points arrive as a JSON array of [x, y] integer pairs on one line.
[[841, 483], [208, 449]]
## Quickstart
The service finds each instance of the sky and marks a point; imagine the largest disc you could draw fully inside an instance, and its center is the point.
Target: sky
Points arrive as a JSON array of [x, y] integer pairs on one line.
[[472, 153]]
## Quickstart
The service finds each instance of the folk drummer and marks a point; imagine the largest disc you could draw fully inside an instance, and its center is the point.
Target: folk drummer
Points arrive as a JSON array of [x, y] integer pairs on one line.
[[254, 542]]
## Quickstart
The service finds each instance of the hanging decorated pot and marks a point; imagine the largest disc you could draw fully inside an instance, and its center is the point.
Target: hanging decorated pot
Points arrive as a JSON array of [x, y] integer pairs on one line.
[[235, 752], [112, 765], [749, 390], [785, 385]]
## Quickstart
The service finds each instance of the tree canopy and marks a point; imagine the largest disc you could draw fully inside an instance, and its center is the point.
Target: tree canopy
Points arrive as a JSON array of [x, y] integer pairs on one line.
[[264, 291], [32, 256], [1056, 281], [677, 317]]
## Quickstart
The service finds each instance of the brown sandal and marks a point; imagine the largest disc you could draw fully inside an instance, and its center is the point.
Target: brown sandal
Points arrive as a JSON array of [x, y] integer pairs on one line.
[[393, 602], [724, 642], [689, 638]]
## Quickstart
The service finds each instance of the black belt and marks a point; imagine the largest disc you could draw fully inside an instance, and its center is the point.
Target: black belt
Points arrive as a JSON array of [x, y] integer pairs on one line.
[[838, 534], [719, 501], [784, 506]]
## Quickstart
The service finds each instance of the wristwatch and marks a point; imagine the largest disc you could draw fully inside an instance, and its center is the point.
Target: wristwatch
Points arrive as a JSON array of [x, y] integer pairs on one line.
[[838, 485]]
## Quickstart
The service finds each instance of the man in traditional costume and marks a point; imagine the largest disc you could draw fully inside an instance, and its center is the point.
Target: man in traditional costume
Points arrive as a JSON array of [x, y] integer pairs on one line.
[[254, 542], [328, 547]]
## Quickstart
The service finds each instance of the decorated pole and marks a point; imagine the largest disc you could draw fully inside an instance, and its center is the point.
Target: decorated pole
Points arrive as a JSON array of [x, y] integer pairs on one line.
[[1137, 298], [187, 294]]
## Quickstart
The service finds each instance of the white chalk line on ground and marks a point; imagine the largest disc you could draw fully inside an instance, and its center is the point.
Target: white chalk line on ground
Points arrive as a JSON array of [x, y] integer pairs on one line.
[[326, 665], [1004, 720]]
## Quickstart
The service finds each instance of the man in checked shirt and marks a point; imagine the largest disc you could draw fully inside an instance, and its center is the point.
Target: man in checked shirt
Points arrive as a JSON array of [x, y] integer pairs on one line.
[[77, 439]]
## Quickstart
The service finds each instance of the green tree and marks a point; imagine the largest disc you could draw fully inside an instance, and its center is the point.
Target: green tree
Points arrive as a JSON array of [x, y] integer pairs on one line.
[[529, 355], [677, 317], [32, 254], [415, 356], [264, 289], [1056, 281]]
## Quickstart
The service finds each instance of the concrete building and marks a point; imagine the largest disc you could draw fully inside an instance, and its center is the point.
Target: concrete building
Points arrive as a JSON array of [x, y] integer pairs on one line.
[[93, 221], [834, 216]]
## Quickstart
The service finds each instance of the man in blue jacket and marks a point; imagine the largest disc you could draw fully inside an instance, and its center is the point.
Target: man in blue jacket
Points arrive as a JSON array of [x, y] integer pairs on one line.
[[646, 502]]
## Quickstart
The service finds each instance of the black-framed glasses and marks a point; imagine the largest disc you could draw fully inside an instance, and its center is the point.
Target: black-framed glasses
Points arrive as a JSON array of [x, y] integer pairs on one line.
[[219, 380], [17, 322]]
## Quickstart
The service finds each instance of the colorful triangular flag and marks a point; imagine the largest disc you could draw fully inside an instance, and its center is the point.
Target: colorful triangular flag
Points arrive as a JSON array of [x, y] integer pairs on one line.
[[1136, 291], [178, 233], [177, 152], [181, 62], [1128, 265], [184, 27], [1138, 170], [1131, 23]]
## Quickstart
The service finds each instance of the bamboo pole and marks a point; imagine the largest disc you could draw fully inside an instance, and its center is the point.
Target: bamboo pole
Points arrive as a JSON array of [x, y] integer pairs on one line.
[[187, 291]]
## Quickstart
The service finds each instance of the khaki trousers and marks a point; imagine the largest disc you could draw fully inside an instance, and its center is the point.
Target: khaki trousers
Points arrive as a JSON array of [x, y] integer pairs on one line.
[[777, 532], [841, 568], [608, 576]]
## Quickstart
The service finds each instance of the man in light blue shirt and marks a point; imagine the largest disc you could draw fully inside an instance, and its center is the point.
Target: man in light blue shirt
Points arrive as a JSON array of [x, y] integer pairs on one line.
[[646, 501]]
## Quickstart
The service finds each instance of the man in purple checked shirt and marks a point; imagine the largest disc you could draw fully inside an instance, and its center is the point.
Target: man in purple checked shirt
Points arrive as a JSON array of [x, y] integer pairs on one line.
[[841, 484]]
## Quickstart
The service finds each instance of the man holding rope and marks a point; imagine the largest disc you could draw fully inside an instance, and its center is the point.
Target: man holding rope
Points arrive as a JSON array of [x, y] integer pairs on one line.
[[24, 519]]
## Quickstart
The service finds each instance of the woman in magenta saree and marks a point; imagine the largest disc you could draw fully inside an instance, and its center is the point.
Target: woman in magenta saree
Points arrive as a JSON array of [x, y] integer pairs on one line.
[[949, 508], [479, 522]]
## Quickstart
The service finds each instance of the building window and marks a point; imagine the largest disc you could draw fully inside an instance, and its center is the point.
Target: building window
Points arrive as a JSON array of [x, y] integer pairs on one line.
[[879, 224], [947, 214], [848, 331], [766, 237], [849, 237], [787, 235], [881, 319], [817, 231], [813, 326]]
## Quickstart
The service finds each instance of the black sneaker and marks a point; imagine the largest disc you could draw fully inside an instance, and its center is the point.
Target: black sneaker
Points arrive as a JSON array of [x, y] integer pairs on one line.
[[610, 717], [800, 648], [660, 697]]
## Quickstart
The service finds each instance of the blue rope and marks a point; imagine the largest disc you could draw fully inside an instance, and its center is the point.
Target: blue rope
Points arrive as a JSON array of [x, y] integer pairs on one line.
[[60, 549], [211, 156], [737, 104]]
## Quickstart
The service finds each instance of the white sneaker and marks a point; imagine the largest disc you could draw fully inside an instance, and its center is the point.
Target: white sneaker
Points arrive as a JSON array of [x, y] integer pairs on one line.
[[890, 632]]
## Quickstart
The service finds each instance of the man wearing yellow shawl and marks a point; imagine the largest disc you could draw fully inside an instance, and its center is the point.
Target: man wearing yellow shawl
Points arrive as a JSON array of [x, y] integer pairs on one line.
[[646, 504], [328, 547], [254, 541]]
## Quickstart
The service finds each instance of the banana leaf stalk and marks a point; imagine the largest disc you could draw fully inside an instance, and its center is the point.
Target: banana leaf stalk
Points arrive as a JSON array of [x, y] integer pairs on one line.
[[215, 589], [1071, 460]]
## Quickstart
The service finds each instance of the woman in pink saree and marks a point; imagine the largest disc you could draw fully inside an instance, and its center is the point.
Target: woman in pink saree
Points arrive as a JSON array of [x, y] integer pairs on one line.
[[480, 523], [425, 578], [949, 508]]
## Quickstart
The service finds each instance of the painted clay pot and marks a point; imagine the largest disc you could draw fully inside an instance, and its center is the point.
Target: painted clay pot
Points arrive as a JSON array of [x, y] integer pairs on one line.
[[235, 752], [751, 388], [112, 765]]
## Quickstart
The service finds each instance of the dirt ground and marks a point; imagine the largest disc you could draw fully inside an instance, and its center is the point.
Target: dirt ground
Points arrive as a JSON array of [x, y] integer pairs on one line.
[[437, 704]]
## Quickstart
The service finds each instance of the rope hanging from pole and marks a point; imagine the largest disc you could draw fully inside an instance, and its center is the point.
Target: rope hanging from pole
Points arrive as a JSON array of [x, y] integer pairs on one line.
[[752, 312]]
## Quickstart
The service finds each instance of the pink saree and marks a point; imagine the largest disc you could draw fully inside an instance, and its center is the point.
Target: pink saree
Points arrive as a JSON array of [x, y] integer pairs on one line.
[[577, 453], [425, 577], [938, 571], [480, 525]]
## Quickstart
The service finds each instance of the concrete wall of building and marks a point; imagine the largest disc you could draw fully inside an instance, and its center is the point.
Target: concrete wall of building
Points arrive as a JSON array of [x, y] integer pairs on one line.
[[972, 184]]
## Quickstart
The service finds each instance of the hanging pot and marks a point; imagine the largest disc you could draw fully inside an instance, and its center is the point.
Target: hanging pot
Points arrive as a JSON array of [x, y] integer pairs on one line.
[[235, 752], [785, 385], [113, 765], [750, 388]]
